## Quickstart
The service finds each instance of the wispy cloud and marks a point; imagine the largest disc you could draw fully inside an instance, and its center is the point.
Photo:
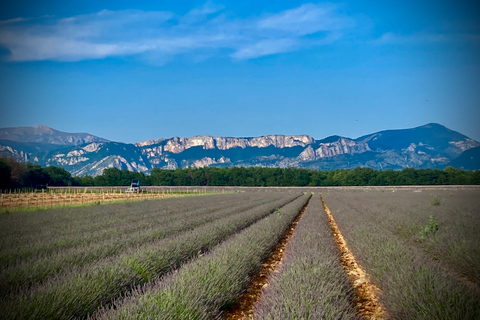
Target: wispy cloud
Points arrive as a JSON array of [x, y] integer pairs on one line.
[[390, 38], [266, 47], [161, 34], [307, 19]]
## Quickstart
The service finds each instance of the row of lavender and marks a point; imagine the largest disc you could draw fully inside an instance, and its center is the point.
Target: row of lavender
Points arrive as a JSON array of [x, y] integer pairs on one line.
[[420, 249], [132, 245], [29, 235], [78, 248], [311, 283], [207, 286]]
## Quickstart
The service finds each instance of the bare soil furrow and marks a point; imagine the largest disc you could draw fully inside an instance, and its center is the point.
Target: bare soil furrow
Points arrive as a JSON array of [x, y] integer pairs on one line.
[[243, 309], [366, 294]]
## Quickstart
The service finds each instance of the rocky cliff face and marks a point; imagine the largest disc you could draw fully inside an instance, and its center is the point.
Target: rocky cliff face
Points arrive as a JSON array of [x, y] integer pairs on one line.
[[18, 155], [331, 149], [178, 145], [429, 146], [94, 157], [341, 146]]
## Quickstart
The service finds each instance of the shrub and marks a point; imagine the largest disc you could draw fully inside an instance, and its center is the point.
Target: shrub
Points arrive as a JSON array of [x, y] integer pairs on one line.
[[429, 231], [435, 201]]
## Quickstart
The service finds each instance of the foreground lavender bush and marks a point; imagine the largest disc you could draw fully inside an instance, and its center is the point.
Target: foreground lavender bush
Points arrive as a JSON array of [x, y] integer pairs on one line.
[[207, 286], [311, 283], [78, 293], [413, 285]]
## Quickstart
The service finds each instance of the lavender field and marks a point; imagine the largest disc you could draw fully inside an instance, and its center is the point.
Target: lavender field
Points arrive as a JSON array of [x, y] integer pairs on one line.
[[197, 257], [420, 247]]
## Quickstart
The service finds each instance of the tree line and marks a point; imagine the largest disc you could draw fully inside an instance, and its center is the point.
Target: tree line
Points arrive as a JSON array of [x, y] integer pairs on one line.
[[14, 174]]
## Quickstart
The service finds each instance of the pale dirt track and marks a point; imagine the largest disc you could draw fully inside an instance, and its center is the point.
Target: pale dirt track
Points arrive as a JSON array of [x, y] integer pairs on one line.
[[366, 293]]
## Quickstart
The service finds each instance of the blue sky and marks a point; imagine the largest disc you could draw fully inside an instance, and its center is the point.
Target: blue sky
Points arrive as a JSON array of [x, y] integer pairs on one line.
[[131, 71]]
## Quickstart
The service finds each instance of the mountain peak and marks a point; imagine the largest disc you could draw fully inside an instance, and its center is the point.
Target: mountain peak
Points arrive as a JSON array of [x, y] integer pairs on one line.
[[434, 125], [41, 128]]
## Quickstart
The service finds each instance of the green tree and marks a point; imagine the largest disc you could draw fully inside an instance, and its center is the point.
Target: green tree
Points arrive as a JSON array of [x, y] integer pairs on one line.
[[36, 176], [59, 177], [5, 174]]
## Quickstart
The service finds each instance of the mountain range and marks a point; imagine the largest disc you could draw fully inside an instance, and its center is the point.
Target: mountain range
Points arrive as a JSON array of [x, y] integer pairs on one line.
[[428, 146]]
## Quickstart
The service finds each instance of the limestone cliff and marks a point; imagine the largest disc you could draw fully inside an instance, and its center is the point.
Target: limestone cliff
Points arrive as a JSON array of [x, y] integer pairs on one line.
[[178, 144]]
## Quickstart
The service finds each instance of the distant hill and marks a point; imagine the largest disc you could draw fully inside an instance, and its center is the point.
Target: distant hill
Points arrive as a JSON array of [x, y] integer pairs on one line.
[[46, 135], [432, 136], [468, 160], [428, 146], [23, 143]]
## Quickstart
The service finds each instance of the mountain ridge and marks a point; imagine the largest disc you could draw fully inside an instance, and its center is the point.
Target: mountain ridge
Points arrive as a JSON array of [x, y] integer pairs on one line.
[[47, 135], [428, 146]]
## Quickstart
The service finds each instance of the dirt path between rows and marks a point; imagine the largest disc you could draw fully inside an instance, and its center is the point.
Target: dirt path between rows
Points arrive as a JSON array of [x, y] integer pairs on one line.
[[366, 293], [243, 309]]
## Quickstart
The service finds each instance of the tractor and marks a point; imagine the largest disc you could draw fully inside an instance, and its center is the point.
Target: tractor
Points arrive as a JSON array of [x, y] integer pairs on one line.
[[134, 186]]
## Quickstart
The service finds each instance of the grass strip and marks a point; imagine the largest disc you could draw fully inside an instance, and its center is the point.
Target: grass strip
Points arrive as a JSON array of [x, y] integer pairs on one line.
[[310, 283], [78, 293], [210, 285], [40, 268]]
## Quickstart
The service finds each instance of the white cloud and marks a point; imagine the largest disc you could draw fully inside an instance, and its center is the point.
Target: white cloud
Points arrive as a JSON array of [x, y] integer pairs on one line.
[[160, 34]]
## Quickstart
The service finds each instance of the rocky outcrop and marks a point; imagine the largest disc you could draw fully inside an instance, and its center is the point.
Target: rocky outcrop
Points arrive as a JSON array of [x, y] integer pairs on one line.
[[308, 154], [206, 161], [341, 146], [177, 145], [18, 155], [463, 145]]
